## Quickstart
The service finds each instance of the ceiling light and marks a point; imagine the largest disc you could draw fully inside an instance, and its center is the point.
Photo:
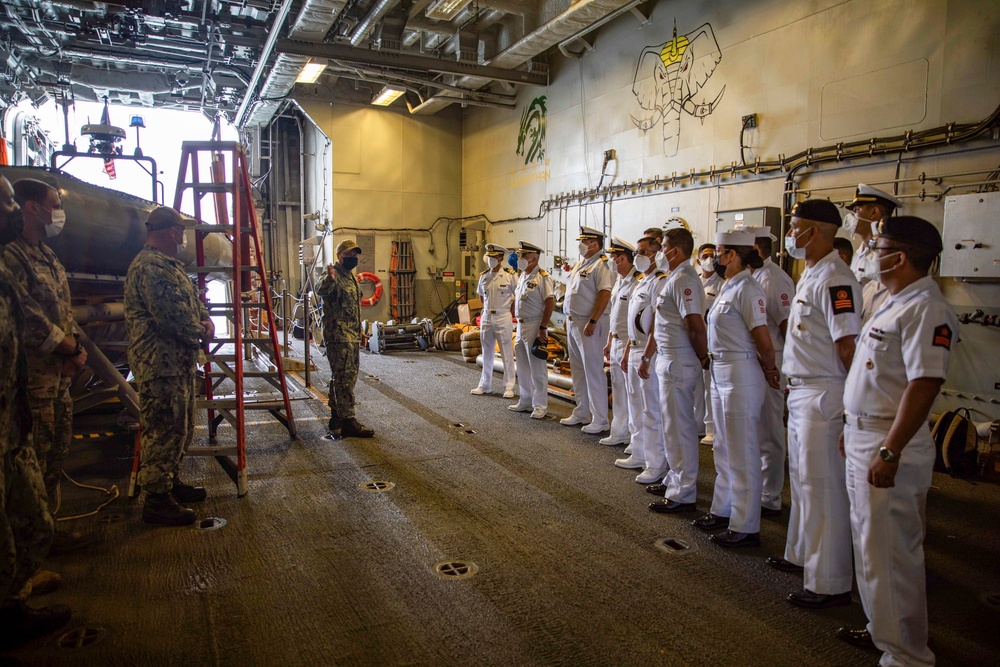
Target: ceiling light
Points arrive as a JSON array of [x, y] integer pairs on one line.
[[387, 95], [446, 10], [310, 73]]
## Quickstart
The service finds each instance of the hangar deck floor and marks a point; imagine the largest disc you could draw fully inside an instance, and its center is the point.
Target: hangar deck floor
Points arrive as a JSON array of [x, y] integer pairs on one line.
[[312, 570]]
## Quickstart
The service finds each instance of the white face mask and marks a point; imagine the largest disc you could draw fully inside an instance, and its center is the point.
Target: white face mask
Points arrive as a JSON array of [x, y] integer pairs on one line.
[[55, 227], [584, 248], [491, 261], [642, 263], [872, 266], [851, 223], [792, 247], [522, 264], [707, 265]]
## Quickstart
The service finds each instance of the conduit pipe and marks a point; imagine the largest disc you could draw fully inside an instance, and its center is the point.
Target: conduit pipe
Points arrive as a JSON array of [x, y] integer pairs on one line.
[[104, 369], [265, 55]]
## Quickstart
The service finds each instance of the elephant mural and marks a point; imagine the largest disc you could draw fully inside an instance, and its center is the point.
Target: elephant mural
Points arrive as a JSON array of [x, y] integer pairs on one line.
[[667, 78]]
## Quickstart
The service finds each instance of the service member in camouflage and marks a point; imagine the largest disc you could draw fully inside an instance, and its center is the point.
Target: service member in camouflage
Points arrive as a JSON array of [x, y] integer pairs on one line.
[[166, 324], [342, 335], [53, 352], [25, 524]]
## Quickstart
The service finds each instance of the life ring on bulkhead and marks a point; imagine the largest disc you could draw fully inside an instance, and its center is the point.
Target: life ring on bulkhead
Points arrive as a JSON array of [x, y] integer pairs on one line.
[[365, 276]]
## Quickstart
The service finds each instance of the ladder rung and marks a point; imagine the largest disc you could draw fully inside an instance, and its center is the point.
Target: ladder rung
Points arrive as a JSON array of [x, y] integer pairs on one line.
[[209, 187], [247, 374], [208, 450], [225, 269], [246, 339], [230, 404], [243, 304]]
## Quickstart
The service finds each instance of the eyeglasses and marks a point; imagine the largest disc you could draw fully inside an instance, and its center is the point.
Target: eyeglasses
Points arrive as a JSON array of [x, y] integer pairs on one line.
[[872, 245]]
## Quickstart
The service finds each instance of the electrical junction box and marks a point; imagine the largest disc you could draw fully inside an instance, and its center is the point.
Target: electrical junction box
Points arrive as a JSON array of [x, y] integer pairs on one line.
[[749, 217], [971, 237]]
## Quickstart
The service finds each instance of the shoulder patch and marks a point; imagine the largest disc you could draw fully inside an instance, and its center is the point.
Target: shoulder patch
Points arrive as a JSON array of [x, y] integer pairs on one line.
[[543, 272], [660, 274], [942, 337], [508, 270], [604, 258], [842, 299]]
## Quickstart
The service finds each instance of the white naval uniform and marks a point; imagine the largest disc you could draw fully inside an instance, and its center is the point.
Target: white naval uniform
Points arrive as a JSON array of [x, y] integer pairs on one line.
[[909, 338], [858, 263], [623, 422], [586, 353], [824, 310], [779, 289], [641, 310], [677, 373], [703, 389], [873, 295], [737, 396], [497, 291], [529, 303]]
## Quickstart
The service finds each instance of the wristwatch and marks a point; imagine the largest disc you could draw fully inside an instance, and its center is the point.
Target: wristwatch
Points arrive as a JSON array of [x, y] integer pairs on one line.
[[592, 321], [888, 455], [645, 359]]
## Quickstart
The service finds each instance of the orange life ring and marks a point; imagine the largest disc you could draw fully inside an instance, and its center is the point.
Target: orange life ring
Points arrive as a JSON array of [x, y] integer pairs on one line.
[[373, 279]]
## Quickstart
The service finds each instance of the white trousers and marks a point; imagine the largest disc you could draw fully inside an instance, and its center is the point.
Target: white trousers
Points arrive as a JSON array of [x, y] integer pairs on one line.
[[703, 403], [677, 376], [532, 372], [497, 328], [772, 442], [654, 451], [737, 396], [619, 392], [635, 387], [586, 361], [819, 527], [888, 527]]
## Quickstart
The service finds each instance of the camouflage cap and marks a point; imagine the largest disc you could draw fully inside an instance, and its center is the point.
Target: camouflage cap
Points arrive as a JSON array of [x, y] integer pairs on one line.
[[345, 245], [164, 217]]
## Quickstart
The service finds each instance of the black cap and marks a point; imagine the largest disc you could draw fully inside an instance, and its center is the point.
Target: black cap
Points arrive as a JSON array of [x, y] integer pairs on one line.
[[540, 349], [817, 210], [913, 230]]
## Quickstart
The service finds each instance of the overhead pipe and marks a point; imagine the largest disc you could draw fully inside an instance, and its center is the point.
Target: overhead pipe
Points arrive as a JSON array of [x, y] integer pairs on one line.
[[265, 55], [374, 15]]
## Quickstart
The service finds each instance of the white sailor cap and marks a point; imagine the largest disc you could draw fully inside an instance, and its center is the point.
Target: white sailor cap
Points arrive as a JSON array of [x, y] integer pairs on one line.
[[495, 249], [526, 248], [619, 245], [735, 237], [761, 232], [866, 194], [590, 234]]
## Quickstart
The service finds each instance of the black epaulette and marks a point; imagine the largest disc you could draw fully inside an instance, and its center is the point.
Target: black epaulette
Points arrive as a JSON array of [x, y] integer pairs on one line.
[[483, 273], [660, 274], [508, 270]]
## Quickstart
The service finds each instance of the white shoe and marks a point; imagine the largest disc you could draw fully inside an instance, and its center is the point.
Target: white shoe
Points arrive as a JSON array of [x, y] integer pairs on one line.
[[509, 393], [650, 476], [478, 391], [572, 420], [613, 440], [517, 407], [631, 463], [628, 450], [708, 440], [594, 429], [538, 413]]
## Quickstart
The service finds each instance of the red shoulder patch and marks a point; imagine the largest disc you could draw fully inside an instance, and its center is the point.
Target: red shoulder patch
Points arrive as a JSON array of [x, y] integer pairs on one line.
[[942, 337]]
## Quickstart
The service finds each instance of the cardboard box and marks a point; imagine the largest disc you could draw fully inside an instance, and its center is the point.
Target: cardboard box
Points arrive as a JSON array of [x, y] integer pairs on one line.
[[464, 316]]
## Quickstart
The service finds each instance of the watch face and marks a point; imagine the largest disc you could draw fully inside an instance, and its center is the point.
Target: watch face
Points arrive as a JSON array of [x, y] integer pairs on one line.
[[887, 455]]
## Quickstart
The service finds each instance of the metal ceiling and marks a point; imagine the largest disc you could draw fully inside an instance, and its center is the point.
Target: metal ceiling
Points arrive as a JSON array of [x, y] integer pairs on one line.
[[240, 58]]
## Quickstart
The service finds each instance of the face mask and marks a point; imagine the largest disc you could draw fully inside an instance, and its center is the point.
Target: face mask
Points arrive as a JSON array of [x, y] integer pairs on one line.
[[720, 269], [55, 227], [491, 261], [522, 264], [707, 264], [584, 248], [872, 267], [792, 248], [350, 262], [642, 263], [851, 223]]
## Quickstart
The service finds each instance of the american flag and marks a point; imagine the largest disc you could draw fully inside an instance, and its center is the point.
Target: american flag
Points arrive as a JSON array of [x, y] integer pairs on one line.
[[109, 163]]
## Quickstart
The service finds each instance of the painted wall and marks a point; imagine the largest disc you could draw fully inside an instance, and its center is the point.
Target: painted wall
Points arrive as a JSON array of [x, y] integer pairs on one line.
[[816, 73]]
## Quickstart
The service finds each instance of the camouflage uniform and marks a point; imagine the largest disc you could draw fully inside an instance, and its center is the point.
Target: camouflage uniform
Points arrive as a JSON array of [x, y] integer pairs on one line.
[[26, 527], [342, 337], [163, 316], [42, 277]]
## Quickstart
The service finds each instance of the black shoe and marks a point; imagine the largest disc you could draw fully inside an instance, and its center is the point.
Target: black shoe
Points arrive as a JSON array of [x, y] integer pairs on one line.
[[352, 428], [861, 638], [733, 540], [711, 522], [334, 427], [64, 541], [783, 565], [656, 489], [806, 598], [671, 507], [185, 493], [19, 623], [162, 509], [769, 512]]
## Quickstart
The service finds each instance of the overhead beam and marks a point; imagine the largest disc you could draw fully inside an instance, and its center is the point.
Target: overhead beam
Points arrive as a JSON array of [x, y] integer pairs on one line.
[[409, 61]]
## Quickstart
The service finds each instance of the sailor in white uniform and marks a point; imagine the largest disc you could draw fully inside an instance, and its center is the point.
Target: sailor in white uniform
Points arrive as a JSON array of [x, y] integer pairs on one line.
[[533, 305], [588, 291], [496, 288], [742, 362], [900, 364], [680, 343], [822, 328], [650, 452], [779, 289], [869, 207], [711, 283], [625, 414]]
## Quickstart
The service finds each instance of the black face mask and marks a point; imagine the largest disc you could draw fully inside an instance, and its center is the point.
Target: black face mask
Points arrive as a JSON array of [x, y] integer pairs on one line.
[[349, 263], [719, 268]]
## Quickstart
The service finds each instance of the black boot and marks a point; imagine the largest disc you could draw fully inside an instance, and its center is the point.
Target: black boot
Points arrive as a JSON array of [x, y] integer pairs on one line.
[[334, 427], [352, 428], [185, 493], [162, 508], [19, 623]]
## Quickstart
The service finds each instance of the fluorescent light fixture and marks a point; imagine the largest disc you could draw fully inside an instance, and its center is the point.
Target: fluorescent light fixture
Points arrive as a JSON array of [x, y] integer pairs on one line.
[[310, 73], [446, 10], [387, 95]]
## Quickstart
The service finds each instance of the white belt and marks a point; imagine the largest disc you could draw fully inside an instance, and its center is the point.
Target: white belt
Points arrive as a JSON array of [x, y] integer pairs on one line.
[[730, 356], [868, 423], [814, 382]]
